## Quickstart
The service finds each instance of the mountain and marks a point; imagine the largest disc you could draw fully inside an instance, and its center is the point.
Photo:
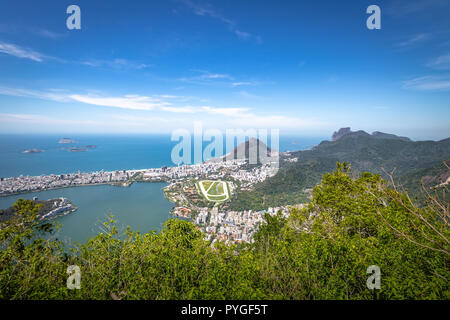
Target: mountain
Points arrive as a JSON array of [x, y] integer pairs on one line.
[[364, 151], [252, 149], [381, 135], [377, 134], [340, 133]]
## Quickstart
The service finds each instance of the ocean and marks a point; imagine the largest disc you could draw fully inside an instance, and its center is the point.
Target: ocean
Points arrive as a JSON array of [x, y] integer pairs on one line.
[[112, 152], [142, 206]]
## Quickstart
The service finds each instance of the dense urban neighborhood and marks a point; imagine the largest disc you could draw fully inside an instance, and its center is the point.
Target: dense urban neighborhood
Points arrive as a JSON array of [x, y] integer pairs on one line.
[[212, 170]]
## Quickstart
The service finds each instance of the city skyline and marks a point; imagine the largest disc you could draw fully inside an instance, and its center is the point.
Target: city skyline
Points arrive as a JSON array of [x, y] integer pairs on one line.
[[158, 66]]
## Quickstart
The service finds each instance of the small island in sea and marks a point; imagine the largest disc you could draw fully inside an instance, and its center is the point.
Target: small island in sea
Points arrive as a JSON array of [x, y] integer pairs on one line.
[[82, 148], [50, 209], [67, 140], [33, 151], [78, 149]]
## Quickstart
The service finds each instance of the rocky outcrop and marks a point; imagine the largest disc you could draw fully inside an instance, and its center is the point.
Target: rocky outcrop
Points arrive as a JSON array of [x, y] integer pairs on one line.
[[340, 133]]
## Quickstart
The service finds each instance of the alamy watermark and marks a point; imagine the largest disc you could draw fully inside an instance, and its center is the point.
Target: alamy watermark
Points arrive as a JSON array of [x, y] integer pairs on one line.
[[249, 145], [74, 20], [374, 281], [374, 20], [74, 279]]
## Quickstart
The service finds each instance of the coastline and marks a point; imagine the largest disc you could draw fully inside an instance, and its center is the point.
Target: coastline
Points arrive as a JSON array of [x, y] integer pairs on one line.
[[113, 184], [55, 188]]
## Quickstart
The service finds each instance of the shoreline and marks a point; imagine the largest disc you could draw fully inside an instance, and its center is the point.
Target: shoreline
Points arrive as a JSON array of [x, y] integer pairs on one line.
[[74, 186]]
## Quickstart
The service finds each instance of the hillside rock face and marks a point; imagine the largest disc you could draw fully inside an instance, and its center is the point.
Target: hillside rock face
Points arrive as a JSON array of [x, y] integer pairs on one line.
[[412, 161], [340, 133], [252, 149], [252, 146], [377, 134], [382, 135]]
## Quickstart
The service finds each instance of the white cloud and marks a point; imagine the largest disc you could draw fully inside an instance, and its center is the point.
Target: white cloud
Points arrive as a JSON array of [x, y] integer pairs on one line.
[[116, 63], [224, 111], [276, 121], [242, 83], [185, 109], [54, 95], [206, 77], [428, 83], [37, 123], [46, 33], [19, 52], [215, 76], [248, 95], [135, 102], [130, 101], [418, 38], [43, 120], [208, 10], [207, 110], [441, 62], [141, 124], [220, 117], [242, 34], [16, 28], [26, 53]]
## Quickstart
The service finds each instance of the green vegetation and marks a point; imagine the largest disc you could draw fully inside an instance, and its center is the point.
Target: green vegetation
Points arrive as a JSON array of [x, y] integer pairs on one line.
[[207, 184], [319, 252], [410, 160], [213, 191], [222, 197], [44, 208]]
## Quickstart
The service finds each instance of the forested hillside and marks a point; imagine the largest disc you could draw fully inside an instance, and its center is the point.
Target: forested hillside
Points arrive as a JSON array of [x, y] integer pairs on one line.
[[408, 159], [320, 252]]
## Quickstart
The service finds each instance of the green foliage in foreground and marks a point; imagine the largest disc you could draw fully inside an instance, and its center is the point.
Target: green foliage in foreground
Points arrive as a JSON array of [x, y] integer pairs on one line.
[[320, 252]]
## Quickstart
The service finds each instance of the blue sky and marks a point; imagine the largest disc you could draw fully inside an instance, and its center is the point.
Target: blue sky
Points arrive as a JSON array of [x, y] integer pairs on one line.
[[305, 67]]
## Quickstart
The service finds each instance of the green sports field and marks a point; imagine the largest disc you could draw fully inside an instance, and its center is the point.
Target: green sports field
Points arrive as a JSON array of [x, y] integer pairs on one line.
[[215, 191]]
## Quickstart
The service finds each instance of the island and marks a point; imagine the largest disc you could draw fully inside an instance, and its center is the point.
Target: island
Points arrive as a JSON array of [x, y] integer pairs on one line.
[[67, 140], [33, 151], [78, 149]]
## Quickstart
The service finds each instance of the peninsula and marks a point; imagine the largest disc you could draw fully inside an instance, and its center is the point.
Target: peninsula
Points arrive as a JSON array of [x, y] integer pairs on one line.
[[50, 209]]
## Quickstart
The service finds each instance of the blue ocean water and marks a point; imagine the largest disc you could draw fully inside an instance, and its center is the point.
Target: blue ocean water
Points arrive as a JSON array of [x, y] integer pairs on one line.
[[112, 152]]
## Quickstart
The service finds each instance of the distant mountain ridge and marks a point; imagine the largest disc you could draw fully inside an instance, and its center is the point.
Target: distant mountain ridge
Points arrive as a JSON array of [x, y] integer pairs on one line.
[[365, 152], [376, 134], [381, 135]]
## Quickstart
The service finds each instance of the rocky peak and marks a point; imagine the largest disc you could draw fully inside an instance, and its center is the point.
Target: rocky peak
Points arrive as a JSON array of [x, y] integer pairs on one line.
[[340, 133]]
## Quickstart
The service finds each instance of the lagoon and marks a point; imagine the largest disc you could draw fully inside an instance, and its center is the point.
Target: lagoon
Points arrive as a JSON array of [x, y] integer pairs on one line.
[[142, 206]]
